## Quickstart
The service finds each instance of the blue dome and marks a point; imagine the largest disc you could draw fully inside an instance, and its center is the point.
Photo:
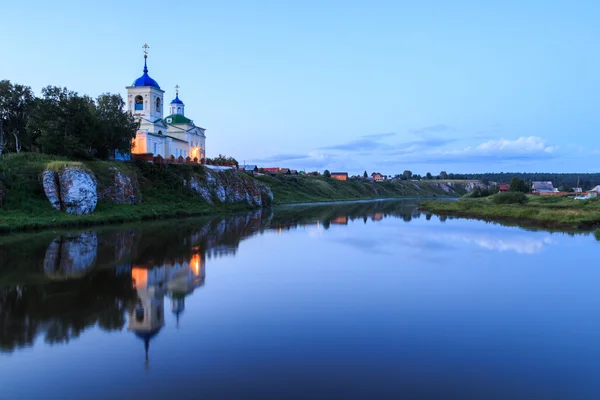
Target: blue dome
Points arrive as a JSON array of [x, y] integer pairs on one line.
[[145, 79], [176, 100]]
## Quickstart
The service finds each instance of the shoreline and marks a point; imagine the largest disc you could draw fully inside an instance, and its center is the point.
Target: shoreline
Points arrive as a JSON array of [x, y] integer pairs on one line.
[[538, 212], [117, 214]]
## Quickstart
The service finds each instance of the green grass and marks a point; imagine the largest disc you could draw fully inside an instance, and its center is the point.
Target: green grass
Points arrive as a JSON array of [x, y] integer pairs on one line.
[[299, 189], [541, 210], [163, 194]]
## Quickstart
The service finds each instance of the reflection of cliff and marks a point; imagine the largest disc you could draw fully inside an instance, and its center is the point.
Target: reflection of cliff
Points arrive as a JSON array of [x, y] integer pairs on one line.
[[89, 278], [71, 255]]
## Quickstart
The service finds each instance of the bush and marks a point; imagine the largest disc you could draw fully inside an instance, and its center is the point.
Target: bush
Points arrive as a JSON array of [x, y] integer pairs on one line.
[[510, 198]]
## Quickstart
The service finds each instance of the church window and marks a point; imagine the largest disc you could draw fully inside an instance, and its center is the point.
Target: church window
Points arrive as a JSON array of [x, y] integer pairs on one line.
[[178, 110], [158, 105], [160, 132], [155, 148], [139, 103]]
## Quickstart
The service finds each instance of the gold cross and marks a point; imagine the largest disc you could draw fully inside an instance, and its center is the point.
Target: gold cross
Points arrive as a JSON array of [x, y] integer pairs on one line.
[[177, 89], [145, 47]]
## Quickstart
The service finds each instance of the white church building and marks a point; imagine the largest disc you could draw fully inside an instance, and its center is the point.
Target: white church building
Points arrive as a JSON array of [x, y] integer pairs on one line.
[[171, 135]]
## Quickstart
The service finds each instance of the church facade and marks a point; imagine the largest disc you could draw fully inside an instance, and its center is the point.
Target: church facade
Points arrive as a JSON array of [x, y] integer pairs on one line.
[[168, 135]]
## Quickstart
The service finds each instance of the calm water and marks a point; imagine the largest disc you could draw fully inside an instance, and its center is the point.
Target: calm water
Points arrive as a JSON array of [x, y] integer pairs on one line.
[[363, 300]]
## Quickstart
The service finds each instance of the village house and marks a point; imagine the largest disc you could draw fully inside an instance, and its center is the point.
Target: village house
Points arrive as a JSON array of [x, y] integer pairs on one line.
[[503, 188], [340, 176], [249, 169], [542, 187], [377, 177]]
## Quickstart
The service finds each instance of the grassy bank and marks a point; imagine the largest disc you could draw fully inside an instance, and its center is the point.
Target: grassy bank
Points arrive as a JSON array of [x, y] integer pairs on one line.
[[289, 189], [26, 207], [544, 211]]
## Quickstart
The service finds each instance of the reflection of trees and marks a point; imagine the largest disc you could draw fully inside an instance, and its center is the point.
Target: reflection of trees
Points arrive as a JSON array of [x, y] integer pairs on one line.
[[62, 310], [95, 285], [94, 267], [326, 214]]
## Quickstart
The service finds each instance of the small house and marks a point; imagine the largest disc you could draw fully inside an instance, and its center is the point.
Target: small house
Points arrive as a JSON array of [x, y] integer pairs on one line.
[[503, 188], [249, 169], [377, 177], [543, 187], [340, 176]]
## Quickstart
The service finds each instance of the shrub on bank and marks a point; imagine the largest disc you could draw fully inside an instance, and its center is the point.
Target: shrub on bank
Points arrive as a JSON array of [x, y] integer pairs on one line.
[[510, 198]]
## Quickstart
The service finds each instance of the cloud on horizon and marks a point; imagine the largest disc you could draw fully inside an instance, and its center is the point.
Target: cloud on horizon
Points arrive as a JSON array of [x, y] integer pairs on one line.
[[370, 152], [363, 143]]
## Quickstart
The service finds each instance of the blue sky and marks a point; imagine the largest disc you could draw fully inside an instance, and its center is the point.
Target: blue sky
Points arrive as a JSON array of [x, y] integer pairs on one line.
[[461, 86]]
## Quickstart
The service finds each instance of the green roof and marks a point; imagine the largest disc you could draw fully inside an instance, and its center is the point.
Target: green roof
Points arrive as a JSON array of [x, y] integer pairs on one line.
[[178, 119]]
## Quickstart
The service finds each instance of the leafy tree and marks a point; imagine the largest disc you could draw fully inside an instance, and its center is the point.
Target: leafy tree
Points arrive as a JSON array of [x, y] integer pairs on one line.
[[65, 123], [443, 175], [327, 174], [15, 102], [429, 176], [365, 175], [518, 185], [407, 175], [116, 127]]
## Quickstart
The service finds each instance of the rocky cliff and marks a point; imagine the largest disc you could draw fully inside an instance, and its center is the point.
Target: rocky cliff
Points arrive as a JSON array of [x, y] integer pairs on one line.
[[75, 189]]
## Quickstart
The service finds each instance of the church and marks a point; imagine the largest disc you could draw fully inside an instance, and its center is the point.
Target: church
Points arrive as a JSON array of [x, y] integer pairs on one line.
[[171, 135]]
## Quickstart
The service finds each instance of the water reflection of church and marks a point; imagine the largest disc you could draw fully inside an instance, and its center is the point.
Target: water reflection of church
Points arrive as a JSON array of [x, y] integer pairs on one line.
[[175, 279]]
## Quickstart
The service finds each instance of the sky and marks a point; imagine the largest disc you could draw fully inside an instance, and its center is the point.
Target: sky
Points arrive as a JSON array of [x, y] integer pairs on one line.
[[459, 86]]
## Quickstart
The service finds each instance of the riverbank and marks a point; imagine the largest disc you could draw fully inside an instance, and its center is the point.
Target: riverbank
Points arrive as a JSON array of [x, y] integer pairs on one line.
[[172, 191], [551, 212], [310, 189]]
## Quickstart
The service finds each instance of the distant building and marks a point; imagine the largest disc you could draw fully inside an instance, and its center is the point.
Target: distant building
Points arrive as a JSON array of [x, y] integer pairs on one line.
[[377, 177], [503, 188], [340, 176], [251, 169], [543, 187], [272, 169]]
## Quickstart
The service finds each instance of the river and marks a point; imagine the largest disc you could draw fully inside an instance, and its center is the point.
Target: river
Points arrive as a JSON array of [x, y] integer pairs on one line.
[[366, 300]]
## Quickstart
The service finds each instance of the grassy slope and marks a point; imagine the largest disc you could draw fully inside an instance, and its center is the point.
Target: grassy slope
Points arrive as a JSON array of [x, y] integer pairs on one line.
[[163, 195], [546, 211], [299, 189]]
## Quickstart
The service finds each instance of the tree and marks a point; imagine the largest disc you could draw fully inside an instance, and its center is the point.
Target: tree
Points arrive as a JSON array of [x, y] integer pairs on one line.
[[65, 123], [518, 185], [443, 175], [327, 174], [429, 176], [365, 175], [15, 102], [117, 127], [407, 175]]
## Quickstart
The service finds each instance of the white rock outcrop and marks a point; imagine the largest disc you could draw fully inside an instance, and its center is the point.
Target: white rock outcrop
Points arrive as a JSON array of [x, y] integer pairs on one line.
[[230, 187], [72, 189]]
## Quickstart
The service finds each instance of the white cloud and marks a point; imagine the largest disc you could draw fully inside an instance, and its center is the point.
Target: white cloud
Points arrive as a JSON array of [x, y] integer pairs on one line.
[[530, 144]]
